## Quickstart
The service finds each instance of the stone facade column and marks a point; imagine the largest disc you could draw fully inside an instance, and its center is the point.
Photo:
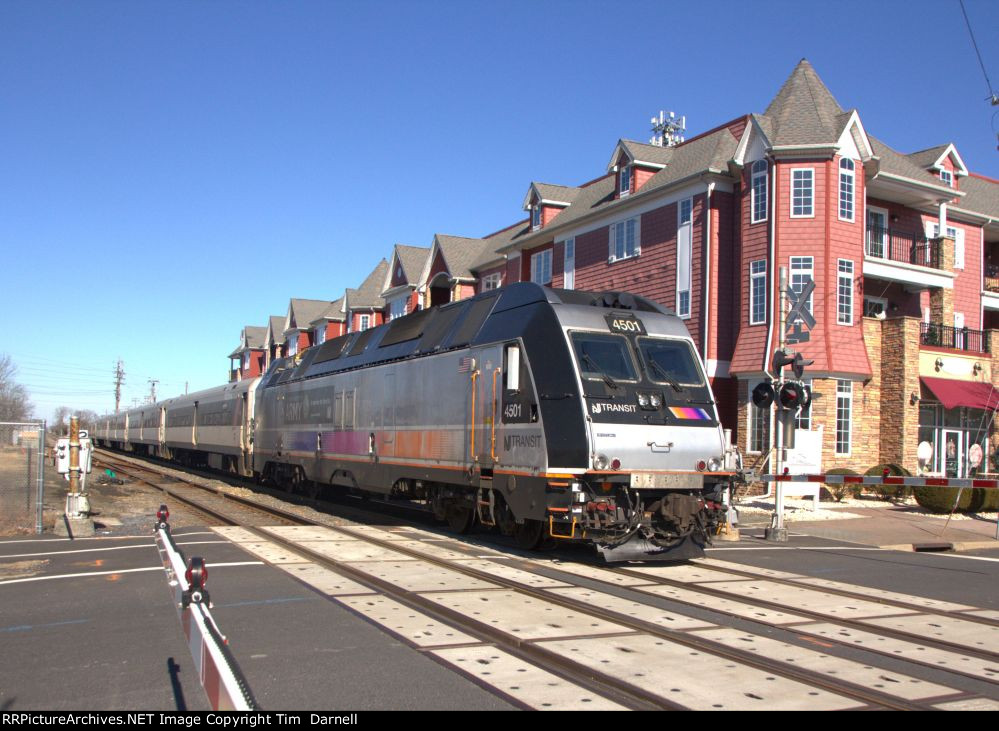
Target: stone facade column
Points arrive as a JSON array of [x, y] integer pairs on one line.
[[899, 380], [942, 300]]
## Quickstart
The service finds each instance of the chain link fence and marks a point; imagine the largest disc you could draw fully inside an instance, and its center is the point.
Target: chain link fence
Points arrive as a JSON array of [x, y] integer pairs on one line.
[[22, 477]]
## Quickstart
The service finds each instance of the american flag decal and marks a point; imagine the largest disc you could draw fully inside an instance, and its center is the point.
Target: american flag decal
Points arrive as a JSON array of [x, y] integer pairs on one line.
[[464, 364]]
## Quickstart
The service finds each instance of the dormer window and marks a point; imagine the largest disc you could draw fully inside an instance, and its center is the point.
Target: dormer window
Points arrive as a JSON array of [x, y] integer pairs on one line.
[[536, 216], [947, 177], [624, 181]]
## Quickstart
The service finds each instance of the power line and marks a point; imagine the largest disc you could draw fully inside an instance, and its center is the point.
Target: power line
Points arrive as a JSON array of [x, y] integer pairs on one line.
[[992, 95]]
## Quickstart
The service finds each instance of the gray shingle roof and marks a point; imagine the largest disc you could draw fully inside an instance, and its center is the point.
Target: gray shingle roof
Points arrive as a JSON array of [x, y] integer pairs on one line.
[[804, 112], [275, 328], [641, 152], [460, 253], [301, 313], [925, 158], [896, 163], [413, 259], [980, 195], [490, 256], [557, 193], [332, 312], [251, 338], [368, 295]]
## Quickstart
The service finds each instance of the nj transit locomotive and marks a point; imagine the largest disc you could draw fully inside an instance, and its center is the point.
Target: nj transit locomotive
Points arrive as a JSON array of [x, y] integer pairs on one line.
[[549, 414]]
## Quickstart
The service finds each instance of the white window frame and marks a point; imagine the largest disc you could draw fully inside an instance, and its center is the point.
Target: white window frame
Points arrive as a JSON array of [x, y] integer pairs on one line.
[[364, 323], [569, 264], [397, 307], [624, 181], [757, 272], [796, 267], [320, 335], [848, 179], [811, 192], [535, 216], [541, 265], [753, 417], [947, 177], [958, 235], [758, 193], [883, 301], [617, 239], [844, 279], [844, 401], [292, 345], [684, 256], [803, 419], [492, 281]]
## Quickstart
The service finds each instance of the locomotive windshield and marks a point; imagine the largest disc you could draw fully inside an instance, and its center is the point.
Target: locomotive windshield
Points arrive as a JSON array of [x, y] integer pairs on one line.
[[670, 360], [604, 356]]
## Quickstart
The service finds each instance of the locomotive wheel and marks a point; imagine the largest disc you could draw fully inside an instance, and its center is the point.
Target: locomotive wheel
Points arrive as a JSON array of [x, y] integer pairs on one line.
[[460, 517], [529, 535]]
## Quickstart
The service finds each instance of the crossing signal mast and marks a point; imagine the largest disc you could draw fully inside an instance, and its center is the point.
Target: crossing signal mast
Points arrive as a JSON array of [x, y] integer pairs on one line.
[[791, 395]]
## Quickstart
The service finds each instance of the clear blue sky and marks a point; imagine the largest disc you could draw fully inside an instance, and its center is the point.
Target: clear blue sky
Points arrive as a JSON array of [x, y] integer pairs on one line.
[[182, 169]]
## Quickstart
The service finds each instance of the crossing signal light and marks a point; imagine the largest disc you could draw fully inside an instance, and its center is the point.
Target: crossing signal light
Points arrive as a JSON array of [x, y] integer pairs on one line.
[[763, 395], [793, 395]]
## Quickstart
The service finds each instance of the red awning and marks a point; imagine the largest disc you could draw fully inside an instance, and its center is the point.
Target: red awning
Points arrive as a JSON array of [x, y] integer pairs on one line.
[[973, 394]]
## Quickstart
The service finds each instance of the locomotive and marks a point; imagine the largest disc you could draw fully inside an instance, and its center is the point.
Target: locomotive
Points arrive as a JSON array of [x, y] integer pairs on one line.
[[547, 414]]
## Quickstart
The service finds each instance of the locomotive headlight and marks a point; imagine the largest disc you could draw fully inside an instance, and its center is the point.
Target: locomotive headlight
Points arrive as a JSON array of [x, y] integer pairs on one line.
[[600, 461], [656, 400], [643, 400]]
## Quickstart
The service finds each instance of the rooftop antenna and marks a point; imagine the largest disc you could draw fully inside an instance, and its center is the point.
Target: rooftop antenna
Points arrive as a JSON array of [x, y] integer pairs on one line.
[[667, 130]]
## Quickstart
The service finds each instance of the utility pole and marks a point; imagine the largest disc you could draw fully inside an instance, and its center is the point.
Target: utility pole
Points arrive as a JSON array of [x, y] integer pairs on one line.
[[152, 390], [119, 379]]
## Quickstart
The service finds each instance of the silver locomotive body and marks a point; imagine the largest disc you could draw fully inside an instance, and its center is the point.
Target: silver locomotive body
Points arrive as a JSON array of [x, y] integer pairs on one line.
[[501, 408]]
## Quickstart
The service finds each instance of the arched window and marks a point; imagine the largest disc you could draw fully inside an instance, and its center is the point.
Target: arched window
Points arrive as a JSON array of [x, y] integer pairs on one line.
[[846, 189]]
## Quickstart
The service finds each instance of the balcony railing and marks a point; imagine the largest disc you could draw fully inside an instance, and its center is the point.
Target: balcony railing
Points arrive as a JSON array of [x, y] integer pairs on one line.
[[959, 338], [906, 247]]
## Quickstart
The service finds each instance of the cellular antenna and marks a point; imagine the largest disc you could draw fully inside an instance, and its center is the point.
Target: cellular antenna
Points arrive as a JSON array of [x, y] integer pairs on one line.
[[667, 130]]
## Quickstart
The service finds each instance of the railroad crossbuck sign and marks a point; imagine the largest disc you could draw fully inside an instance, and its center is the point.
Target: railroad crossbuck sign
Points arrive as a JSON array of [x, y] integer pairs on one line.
[[799, 314]]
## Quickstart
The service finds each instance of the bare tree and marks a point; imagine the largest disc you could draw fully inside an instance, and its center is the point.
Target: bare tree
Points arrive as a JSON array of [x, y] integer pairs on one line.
[[14, 403], [60, 420]]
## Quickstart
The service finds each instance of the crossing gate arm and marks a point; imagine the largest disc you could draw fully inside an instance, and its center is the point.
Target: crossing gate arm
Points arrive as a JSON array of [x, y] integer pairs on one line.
[[967, 482], [220, 676]]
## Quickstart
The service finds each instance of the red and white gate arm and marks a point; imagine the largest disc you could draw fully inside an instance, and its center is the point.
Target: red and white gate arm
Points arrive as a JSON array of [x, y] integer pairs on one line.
[[885, 480], [220, 676]]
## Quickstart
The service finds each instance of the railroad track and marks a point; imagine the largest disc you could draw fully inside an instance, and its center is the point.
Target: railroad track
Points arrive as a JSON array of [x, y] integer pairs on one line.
[[608, 637]]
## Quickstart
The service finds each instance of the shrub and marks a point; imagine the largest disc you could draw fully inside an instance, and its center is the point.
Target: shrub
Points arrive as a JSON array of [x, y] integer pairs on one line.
[[838, 492], [890, 492], [941, 499]]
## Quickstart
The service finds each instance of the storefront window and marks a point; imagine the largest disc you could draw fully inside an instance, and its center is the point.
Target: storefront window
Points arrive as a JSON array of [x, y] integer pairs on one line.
[[952, 432]]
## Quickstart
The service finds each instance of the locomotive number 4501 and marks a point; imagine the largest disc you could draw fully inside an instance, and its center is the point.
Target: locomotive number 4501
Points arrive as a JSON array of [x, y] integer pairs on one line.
[[628, 324]]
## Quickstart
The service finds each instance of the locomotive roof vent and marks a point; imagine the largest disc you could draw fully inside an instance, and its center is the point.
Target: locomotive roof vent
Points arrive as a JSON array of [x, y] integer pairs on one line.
[[615, 301]]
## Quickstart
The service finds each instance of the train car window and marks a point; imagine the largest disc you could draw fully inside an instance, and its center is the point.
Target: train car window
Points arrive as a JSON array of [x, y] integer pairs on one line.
[[362, 342], [601, 356], [670, 359], [331, 349], [406, 328], [475, 315], [512, 368]]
